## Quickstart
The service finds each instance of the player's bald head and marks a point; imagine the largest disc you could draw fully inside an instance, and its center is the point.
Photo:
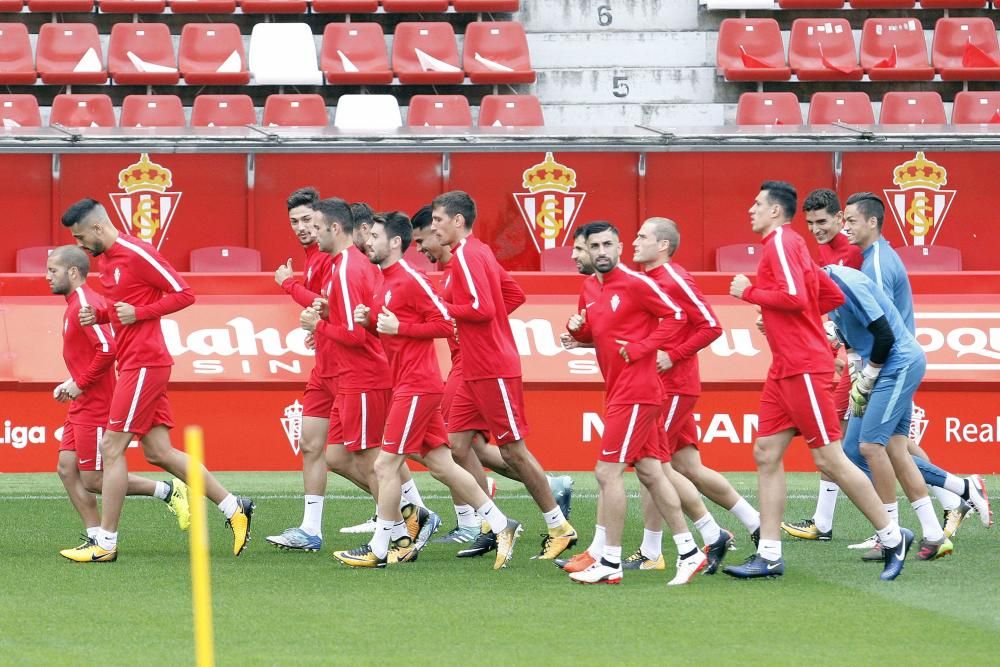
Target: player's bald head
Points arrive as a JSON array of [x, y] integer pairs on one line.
[[71, 256], [665, 229]]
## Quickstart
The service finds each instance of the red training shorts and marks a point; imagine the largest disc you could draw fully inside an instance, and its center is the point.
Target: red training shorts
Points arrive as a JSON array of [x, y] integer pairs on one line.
[[842, 396], [140, 401], [679, 430], [496, 403], [318, 398], [802, 402], [361, 418], [86, 442], [415, 425], [631, 433]]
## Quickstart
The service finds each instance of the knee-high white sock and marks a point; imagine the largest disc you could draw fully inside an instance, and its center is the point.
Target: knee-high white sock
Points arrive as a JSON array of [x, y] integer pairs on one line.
[[929, 524], [826, 504]]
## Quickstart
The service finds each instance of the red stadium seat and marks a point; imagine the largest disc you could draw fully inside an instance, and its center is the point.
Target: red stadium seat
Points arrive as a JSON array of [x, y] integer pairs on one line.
[[225, 259], [930, 258], [223, 111], [883, 4], [847, 108], [17, 65], [439, 111], [60, 6], [768, 109], [82, 111], [33, 259], [486, 5], [132, 6], [953, 4], [345, 6], [142, 53], [510, 111], [295, 111], [414, 6], [497, 52], [966, 49], [558, 260], [738, 257], [751, 50], [208, 47], [11, 6], [895, 50], [20, 111], [202, 6], [980, 107], [152, 111], [418, 260], [355, 53], [70, 53], [915, 108], [426, 53], [823, 50], [274, 6], [811, 4]]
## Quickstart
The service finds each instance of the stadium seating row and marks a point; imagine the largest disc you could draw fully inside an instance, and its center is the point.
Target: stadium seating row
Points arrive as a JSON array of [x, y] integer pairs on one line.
[[257, 6], [280, 53], [744, 5], [898, 108], [352, 112], [964, 49]]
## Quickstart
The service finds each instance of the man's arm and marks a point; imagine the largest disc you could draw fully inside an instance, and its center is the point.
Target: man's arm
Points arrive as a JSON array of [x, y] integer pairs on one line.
[[700, 315], [513, 295], [434, 320], [156, 271], [789, 294], [471, 297], [348, 292], [659, 304], [105, 351], [301, 294]]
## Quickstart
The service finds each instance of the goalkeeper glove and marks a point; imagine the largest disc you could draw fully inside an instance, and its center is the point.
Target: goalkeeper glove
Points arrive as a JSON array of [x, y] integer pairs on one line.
[[854, 365], [861, 390]]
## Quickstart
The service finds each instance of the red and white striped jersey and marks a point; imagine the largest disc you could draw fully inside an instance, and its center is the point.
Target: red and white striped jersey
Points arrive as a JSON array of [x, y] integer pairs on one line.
[[89, 353]]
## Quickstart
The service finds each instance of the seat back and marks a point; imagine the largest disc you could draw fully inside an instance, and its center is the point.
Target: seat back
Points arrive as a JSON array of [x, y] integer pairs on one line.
[[152, 111], [142, 50], [223, 111], [205, 47], [747, 40], [17, 65], [848, 108], [965, 42], [434, 39], [33, 259], [822, 44], [510, 111], [367, 112], [893, 43], [930, 258], [284, 53], [295, 111], [439, 111], [912, 108], [225, 259], [20, 111], [738, 257], [979, 107], [66, 48], [354, 49], [768, 109], [502, 44], [82, 111]]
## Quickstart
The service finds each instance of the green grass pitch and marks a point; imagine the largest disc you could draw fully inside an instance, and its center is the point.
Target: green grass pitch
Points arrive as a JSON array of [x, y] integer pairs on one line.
[[273, 607]]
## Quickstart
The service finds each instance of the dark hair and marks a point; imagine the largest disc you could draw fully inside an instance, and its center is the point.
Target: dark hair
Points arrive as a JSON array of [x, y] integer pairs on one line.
[[78, 211], [822, 199], [581, 231], [397, 224], [783, 194], [456, 202], [362, 214], [422, 218], [334, 209], [869, 205], [302, 197], [600, 226], [71, 255]]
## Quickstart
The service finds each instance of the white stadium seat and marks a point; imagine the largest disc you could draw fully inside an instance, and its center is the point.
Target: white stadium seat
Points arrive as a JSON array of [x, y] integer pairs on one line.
[[367, 112], [284, 54]]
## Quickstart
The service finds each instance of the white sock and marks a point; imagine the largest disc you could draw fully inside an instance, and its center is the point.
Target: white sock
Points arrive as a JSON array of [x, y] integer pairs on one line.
[[229, 506], [892, 509], [92, 532], [747, 515], [890, 537], [106, 540], [596, 547], [652, 544], [411, 494], [380, 540], [162, 491], [685, 544], [955, 484], [496, 519], [613, 555], [948, 500], [769, 549], [826, 503], [554, 518], [466, 516], [929, 524], [709, 529], [398, 530], [312, 516]]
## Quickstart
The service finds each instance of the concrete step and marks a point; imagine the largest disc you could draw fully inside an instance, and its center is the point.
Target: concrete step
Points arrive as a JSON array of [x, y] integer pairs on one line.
[[661, 116], [610, 15], [622, 49], [629, 85]]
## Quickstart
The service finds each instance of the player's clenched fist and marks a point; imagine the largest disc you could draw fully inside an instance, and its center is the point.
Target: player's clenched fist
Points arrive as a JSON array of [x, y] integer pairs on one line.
[[321, 306], [284, 272], [739, 285], [577, 321], [388, 323], [126, 312], [308, 319], [362, 314], [87, 316]]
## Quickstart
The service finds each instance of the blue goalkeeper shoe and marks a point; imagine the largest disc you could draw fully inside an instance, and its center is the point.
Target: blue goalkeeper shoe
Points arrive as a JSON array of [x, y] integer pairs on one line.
[[896, 556], [562, 492], [459, 535], [296, 539], [427, 529], [756, 567]]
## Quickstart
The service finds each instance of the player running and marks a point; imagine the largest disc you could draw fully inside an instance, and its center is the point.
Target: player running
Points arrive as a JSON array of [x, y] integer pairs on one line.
[[141, 287], [89, 354]]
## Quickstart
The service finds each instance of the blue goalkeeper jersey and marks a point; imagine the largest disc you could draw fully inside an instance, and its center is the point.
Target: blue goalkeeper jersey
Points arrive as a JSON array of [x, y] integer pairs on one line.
[[864, 303], [885, 268]]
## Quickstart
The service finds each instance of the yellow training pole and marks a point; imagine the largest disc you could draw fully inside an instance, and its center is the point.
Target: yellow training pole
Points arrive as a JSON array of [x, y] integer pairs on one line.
[[201, 583]]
